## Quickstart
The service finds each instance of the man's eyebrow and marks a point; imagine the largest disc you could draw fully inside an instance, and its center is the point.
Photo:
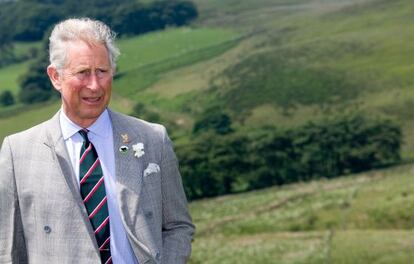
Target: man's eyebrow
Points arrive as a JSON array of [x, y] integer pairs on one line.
[[80, 66]]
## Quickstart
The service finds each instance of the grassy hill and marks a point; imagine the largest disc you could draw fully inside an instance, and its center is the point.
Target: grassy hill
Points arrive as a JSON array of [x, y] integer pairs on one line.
[[315, 58], [366, 218]]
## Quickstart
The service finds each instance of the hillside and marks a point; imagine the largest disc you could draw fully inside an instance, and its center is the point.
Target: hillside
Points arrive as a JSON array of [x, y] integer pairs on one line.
[[360, 219], [313, 58]]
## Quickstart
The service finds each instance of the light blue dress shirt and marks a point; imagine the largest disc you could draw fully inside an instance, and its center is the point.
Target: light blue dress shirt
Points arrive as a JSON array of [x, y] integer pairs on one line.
[[101, 136]]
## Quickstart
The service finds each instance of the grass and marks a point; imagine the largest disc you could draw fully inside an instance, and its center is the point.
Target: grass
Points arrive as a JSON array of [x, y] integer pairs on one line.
[[372, 246], [264, 248], [157, 47], [233, 13], [145, 58], [365, 218], [25, 48], [27, 118], [9, 76]]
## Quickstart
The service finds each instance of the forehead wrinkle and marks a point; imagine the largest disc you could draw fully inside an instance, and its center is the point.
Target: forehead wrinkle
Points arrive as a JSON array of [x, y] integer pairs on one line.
[[90, 44]]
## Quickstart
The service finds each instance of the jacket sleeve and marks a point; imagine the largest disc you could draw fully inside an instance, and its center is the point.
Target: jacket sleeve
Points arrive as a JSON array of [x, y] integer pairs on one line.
[[177, 227], [12, 244]]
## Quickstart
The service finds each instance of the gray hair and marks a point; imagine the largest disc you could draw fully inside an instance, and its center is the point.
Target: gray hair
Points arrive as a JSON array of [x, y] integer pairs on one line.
[[85, 29]]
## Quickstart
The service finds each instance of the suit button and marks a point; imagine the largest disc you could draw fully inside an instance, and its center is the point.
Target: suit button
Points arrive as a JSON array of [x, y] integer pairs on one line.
[[158, 256], [47, 229], [148, 214]]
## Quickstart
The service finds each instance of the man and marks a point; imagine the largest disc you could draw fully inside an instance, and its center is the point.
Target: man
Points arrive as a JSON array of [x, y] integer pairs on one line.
[[90, 185]]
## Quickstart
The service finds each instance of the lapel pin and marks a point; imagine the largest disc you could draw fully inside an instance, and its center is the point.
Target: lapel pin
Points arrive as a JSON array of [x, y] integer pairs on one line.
[[123, 149], [125, 138]]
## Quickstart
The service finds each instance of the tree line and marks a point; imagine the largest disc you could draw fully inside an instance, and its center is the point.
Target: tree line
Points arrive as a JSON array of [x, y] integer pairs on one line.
[[28, 20], [214, 163]]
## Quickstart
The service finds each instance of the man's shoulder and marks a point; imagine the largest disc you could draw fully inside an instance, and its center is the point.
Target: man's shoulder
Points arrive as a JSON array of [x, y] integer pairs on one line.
[[144, 127], [32, 134]]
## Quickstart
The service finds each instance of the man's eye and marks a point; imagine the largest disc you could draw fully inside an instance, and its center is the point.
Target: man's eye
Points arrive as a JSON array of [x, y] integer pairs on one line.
[[102, 73], [82, 74]]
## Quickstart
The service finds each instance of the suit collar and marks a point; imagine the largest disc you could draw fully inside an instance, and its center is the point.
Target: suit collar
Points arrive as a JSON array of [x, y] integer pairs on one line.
[[53, 131]]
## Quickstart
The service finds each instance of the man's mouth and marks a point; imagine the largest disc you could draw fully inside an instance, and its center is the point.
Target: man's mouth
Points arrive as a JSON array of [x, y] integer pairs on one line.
[[91, 99]]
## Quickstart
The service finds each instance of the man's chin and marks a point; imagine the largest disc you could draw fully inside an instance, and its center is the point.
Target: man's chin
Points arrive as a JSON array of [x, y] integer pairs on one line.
[[87, 118]]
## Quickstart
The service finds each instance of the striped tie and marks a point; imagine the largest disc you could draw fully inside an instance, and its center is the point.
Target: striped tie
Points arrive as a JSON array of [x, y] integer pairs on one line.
[[92, 190]]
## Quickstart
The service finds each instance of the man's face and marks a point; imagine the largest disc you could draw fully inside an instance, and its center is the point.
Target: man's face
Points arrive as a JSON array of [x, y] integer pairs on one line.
[[85, 83]]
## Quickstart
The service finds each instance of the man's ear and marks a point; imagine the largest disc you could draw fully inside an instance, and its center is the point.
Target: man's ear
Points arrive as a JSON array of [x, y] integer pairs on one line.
[[54, 77]]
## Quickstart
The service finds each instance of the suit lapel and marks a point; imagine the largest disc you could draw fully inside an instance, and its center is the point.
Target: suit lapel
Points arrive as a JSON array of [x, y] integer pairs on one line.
[[126, 164], [129, 170], [54, 140]]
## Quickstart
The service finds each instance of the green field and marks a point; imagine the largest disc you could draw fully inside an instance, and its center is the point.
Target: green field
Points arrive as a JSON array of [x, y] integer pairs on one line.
[[9, 77], [27, 118], [145, 59], [359, 219]]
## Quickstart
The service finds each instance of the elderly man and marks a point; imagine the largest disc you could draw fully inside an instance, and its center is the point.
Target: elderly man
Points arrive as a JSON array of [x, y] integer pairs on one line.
[[90, 185]]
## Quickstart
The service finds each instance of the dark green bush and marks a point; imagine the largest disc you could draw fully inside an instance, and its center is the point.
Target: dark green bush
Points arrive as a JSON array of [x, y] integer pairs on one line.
[[213, 119], [214, 164], [35, 84], [142, 112], [6, 98]]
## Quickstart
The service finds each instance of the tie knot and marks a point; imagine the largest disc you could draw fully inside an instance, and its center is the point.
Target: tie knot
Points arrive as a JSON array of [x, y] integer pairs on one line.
[[84, 134]]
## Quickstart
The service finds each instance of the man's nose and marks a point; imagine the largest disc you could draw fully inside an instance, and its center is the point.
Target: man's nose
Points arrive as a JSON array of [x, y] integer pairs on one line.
[[93, 81]]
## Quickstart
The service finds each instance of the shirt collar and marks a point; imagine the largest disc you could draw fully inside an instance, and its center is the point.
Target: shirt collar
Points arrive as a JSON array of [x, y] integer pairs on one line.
[[101, 127]]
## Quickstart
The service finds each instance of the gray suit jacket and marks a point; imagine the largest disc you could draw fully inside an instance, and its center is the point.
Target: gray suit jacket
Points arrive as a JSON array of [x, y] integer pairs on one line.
[[42, 217]]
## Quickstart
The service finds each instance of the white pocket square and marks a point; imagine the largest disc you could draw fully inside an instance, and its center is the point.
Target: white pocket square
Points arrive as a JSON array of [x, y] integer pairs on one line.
[[152, 168]]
